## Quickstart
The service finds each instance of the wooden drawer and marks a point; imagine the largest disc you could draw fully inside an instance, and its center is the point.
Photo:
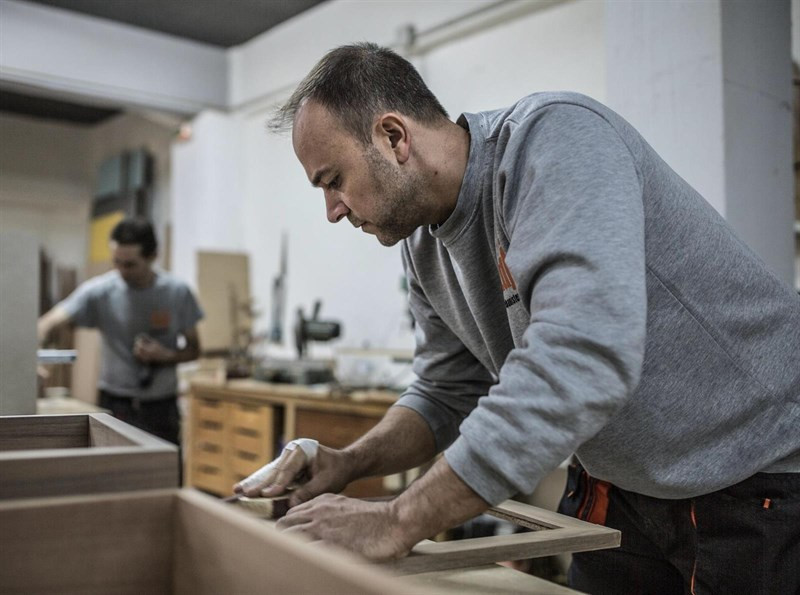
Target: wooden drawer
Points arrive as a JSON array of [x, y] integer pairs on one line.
[[208, 410], [252, 417], [252, 430], [242, 466], [211, 479], [250, 443], [210, 455], [208, 432], [338, 430], [331, 428]]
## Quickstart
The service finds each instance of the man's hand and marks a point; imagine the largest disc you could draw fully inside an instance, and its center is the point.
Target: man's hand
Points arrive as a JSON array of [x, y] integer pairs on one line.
[[385, 530], [326, 470], [148, 350], [371, 529]]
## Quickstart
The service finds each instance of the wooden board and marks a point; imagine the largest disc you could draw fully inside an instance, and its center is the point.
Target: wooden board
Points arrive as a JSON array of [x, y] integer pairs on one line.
[[80, 454], [88, 545], [338, 430], [220, 276], [554, 534], [164, 542], [493, 578]]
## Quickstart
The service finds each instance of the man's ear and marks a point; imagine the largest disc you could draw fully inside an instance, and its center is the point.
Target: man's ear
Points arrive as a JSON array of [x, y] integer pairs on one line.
[[392, 130]]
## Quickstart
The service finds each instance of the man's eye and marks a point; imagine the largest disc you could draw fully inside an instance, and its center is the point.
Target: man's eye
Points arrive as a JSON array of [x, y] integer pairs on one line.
[[334, 183]]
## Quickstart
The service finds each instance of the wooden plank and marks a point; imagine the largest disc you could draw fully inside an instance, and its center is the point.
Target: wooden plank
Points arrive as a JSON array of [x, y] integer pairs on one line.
[[480, 580], [61, 472], [220, 549], [105, 430], [132, 460], [87, 545], [27, 432], [223, 283], [561, 534]]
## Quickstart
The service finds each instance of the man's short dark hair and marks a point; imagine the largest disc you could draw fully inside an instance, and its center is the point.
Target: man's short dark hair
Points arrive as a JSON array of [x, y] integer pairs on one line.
[[357, 82], [136, 231]]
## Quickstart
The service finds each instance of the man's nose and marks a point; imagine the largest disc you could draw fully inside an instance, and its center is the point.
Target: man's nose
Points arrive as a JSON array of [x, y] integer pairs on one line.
[[335, 208]]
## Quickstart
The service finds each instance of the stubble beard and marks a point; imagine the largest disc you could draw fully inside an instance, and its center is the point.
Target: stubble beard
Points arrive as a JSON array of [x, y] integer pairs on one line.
[[401, 200]]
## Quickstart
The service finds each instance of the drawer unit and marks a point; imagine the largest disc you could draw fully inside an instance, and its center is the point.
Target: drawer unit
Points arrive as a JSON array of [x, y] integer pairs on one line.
[[252, 437]]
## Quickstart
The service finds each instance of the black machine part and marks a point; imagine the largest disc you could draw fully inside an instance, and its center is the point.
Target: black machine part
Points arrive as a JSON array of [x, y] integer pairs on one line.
[[313, 329]]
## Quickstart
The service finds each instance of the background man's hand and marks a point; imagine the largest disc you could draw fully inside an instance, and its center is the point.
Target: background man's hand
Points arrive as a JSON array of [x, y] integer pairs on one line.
[[371, 529], [329, 470], [148, 350]]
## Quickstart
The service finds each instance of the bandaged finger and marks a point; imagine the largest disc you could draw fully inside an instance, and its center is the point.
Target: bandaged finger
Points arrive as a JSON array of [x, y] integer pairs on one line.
[[309, 446]]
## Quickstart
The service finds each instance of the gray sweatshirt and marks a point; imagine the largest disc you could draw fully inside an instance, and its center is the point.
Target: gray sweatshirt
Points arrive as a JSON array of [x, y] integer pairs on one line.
[[583, 298]]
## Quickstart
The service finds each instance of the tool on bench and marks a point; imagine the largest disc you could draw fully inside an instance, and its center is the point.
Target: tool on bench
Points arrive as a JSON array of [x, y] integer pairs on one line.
[[266, 508]]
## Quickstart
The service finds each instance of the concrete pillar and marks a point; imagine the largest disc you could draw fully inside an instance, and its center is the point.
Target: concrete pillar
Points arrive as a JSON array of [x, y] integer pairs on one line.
[[708, 84], [19, 300]]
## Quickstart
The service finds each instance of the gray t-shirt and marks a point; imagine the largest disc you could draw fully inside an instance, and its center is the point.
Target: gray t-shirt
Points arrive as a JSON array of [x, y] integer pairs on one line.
[[164, 310], [583, 298]]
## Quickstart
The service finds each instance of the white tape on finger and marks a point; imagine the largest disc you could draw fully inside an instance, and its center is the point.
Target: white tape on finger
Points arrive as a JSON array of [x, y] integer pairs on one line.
[[309, 447], [259, 476]]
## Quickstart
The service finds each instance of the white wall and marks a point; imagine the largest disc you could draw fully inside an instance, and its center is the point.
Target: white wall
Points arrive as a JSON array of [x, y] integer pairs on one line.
[[206, 209], [665, 78], [708, 85], [130, 131], [45, 186], [759, 173], [48, 172]]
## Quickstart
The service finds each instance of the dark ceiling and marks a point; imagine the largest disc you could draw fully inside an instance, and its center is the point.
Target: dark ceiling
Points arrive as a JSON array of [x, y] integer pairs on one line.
[[223, 23], [53, 109]]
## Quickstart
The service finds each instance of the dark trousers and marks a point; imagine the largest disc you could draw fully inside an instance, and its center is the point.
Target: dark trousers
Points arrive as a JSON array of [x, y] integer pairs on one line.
[[159, 417], [742, 539]]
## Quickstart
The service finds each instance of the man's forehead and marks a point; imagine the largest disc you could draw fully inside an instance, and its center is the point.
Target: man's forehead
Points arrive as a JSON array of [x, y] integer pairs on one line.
[[126, 251], [318, 139]]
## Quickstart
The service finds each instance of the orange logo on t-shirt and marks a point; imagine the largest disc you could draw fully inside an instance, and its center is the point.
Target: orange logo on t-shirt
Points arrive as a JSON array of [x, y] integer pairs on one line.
[[159, 319], [506, 280]]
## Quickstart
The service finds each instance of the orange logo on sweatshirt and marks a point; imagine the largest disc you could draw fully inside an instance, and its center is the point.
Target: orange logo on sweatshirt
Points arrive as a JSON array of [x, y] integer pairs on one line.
[[506, 279]]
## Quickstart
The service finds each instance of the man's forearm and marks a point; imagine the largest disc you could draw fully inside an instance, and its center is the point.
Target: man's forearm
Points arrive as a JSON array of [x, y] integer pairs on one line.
[[49, 321], [437, 501], [401, 440], [178, 356]]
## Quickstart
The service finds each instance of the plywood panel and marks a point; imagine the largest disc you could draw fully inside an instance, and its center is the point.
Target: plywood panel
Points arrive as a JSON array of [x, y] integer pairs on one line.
[[87, 546], [81, 454], [223, 278], [220, 549], [40, 432]]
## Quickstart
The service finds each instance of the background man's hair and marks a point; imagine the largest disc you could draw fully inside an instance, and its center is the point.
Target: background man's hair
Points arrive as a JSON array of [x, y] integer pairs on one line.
[[357, 82], [136, 231]]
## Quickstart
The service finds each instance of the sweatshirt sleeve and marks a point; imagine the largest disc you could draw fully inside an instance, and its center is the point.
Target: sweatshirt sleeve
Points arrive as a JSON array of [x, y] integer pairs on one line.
[[450, 379], [571, 202]]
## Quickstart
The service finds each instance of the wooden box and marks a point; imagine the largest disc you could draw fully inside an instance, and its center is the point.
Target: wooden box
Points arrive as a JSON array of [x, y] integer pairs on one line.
[[55, 455], [165, 541]]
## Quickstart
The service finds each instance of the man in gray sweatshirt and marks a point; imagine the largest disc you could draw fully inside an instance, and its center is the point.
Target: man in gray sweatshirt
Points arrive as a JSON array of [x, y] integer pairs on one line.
[[572, 294]]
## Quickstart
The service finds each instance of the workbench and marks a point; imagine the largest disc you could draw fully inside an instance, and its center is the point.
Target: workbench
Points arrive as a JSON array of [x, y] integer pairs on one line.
[[237, 426]]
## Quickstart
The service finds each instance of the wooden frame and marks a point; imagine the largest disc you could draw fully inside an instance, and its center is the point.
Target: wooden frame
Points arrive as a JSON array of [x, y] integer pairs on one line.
[[166, 541], [49, 455], [552, 534]]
